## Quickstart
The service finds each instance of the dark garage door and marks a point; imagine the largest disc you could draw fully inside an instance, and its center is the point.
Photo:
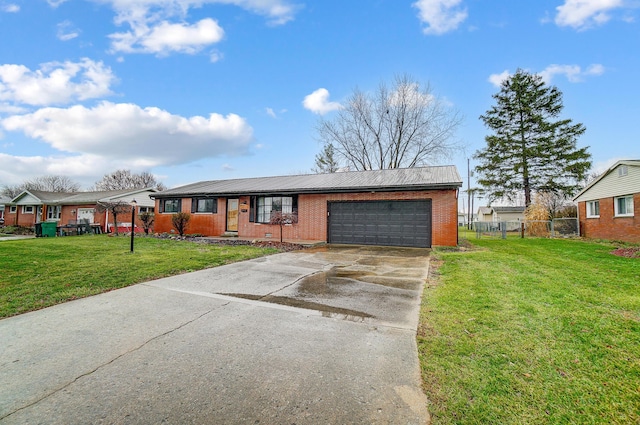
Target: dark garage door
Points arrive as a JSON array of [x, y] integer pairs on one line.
[[392, 223]]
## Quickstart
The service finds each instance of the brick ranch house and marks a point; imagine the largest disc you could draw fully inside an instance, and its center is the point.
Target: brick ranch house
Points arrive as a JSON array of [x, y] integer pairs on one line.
[[35, 206], [399, 207], [609, 207]]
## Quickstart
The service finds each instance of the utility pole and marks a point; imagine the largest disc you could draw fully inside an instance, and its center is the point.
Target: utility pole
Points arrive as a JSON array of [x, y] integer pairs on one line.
[[469, 213]]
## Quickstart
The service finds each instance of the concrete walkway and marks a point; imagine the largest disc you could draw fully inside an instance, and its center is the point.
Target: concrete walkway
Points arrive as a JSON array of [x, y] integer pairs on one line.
[[310, 337]]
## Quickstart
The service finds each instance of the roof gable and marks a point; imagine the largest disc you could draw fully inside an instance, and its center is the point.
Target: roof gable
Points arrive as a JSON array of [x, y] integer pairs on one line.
[[419, 178], [613, 183]]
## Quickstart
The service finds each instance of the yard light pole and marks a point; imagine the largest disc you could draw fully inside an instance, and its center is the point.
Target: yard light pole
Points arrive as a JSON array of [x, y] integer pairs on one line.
[[133, 221]]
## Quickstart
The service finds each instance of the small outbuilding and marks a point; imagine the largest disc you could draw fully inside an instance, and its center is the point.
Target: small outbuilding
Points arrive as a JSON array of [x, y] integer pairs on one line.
[[609, 207], [415, 207]]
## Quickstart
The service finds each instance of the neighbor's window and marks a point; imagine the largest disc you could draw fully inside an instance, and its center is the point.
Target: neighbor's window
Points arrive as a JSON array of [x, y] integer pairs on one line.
[[53, 212], [146, 209], [204, 205], [13, 209], [265, 206], [170, 205], [623, 206], [593, 209], [27, 209]]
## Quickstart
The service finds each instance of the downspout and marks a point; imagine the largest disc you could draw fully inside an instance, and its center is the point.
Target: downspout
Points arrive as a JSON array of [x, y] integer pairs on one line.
[[106, 221], [578, 217]]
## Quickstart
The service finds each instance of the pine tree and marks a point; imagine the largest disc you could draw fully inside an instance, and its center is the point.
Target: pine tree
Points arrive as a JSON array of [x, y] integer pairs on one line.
[[325, 161], [531, 148]]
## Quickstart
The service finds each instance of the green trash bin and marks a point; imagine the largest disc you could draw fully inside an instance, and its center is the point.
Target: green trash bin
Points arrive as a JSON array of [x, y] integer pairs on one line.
[[49, 228]]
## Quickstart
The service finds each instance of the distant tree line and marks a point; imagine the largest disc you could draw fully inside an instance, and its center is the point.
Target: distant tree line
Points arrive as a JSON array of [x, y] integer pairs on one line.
[[117, 180]]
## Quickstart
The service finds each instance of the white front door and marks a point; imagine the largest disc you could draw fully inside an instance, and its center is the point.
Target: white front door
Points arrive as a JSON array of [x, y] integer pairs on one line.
[[85, 214]]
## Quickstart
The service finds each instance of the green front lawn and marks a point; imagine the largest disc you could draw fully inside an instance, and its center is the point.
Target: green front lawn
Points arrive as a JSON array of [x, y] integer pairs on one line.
[[532, 331], [37, 273]]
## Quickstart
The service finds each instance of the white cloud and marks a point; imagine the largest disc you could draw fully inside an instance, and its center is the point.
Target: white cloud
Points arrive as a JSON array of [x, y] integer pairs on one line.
[[318, 102], [55, 83], [271, 112], [440, 16], [215, 56], [227, 167], [126, 132], [10, 8], [67, 31], [497, 79], [160, 27], [166, 37], [584, 14], [85, 169], [56, 3], [573, 73]]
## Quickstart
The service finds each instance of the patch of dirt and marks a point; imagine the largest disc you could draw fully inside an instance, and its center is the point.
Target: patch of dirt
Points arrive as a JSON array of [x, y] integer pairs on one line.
[[627, 252]]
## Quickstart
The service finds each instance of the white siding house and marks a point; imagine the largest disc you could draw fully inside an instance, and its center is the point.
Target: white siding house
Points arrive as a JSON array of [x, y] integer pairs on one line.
[[609, 207]]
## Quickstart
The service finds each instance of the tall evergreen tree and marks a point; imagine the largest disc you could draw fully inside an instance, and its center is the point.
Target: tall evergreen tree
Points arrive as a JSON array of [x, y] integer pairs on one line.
[[326, 161], [531, 148]]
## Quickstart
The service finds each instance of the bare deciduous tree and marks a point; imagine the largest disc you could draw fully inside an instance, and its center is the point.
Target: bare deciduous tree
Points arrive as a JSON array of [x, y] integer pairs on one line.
[[125, 179], [45, 183], [115, 208], [398, 127]]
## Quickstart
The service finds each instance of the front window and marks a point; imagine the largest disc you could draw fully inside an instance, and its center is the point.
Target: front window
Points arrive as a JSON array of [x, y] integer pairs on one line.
[[146, 210], [267, 205], [204, 205], [593, 209], [13, 209], [27, 209], [623, 206], [170, 205], [53, 212]]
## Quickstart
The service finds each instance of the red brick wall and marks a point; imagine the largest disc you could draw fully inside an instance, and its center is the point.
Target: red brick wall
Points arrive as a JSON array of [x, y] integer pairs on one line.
[[18, 218], [610, 227], [312, 216], [204, 223]]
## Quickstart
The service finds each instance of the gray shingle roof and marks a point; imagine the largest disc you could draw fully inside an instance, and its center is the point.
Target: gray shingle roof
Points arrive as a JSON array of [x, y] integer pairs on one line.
[[75, 198], [421, 178], [509, 209]]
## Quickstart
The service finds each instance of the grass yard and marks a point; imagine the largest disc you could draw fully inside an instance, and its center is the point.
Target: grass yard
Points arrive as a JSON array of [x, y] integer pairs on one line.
[[532, 331], [37, 273]]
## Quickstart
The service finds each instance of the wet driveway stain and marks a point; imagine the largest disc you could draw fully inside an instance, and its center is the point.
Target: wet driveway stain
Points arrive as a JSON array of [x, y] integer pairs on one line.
[[356, 283], [327, 310]]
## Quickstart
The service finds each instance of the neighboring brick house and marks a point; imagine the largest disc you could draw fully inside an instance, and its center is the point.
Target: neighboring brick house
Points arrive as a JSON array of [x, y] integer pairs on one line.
[[35, 206], [609, 207], [399, 207]]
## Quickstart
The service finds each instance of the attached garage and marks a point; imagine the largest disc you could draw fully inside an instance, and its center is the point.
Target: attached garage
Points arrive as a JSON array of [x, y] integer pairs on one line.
[[388, 223]]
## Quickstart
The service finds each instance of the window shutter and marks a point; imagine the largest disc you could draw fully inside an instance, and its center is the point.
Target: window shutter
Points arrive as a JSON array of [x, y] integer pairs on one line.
[[194, 204], [215, 206], [252, 209], [161, 206], [179, 205]]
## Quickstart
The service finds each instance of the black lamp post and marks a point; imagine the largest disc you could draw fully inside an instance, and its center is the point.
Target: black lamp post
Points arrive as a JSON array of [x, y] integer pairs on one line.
[[133, 221]]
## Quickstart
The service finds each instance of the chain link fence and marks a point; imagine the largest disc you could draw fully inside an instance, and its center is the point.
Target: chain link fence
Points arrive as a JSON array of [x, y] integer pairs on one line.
[[558, 227]]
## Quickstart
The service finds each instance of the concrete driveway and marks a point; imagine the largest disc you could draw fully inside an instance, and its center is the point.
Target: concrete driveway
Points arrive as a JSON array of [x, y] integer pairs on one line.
[[323, 336]]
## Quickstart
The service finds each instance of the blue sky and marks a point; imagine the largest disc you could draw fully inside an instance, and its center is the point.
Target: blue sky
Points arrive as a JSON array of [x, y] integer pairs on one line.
[[213, 89]]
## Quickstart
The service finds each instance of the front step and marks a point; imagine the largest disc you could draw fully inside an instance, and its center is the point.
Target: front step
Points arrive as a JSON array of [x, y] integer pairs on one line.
[[228, 234]]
